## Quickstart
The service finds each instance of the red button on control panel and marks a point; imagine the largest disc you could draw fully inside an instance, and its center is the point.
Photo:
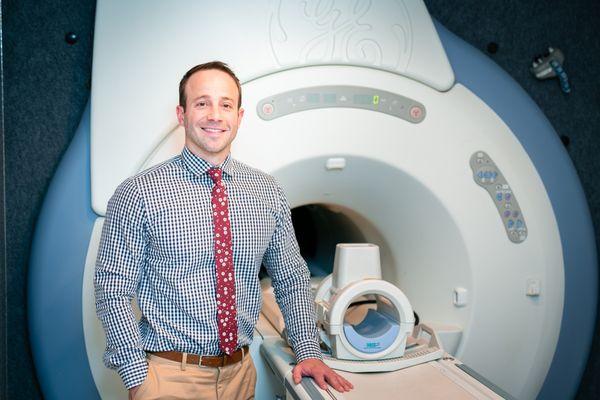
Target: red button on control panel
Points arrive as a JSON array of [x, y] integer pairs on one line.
[[267, 108], [416, 112]]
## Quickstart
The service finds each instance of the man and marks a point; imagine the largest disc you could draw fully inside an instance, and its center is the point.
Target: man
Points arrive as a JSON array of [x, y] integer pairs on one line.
[[189, 237]]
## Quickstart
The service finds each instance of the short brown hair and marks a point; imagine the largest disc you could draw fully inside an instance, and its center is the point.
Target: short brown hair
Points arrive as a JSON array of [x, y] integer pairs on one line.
[[218, 65]]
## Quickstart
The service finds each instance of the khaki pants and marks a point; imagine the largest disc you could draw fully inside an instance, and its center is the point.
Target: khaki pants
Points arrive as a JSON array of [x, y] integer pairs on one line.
[[173, 380]]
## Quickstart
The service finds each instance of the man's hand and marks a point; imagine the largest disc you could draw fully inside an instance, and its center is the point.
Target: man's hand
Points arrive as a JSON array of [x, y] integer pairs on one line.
[[133, 391], [322, 375]]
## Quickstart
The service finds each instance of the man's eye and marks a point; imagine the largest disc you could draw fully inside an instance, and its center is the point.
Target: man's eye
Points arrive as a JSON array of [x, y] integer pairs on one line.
[[201, 104], [227, 105]]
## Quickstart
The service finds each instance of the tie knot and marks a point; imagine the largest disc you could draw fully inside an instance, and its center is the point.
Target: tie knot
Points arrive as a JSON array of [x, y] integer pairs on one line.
[[215, 174]]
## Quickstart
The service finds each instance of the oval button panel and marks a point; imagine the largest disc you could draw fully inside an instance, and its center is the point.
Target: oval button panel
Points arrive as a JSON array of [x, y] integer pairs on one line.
[[487, 175]]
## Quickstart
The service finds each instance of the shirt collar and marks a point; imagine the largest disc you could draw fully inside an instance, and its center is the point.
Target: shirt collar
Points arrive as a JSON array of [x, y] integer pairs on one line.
[[200, 166]]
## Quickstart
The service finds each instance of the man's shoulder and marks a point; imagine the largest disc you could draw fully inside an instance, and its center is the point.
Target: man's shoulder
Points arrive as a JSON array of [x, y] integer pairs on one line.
[[158, 171], [246, 172], [147, 177]]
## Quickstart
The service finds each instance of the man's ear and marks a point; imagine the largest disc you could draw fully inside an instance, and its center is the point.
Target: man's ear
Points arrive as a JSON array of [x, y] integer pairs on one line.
[[240, 115], [180, 114]]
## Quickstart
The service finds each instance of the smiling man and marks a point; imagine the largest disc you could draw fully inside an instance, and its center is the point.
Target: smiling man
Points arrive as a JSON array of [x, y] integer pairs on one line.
[[189, 236]]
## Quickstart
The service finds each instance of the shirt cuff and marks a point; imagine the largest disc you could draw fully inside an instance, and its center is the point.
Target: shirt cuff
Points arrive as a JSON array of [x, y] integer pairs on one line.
[[133, 374], [307, 349]]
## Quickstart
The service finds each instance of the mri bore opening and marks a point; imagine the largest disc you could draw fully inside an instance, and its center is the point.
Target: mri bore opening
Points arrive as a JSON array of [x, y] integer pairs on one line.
[[319, 228]]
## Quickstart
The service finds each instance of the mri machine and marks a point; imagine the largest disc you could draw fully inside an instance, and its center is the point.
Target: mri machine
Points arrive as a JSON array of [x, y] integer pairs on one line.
[[382, 127]]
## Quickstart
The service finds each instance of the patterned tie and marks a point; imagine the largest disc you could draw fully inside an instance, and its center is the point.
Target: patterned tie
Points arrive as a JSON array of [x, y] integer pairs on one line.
[[226, 310]]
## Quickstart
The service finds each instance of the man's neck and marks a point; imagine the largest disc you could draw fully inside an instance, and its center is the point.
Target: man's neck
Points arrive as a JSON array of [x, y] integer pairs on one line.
[[212, 158]]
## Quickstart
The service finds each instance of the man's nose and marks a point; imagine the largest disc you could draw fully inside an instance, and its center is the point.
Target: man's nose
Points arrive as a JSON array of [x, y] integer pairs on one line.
[[214, 113]]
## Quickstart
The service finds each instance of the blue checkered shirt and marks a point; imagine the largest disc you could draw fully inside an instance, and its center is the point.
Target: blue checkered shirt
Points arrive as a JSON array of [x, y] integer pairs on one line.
[[157, 242]]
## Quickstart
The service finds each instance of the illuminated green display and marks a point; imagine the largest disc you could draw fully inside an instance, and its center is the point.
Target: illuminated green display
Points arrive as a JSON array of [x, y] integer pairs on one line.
[[366, 99]]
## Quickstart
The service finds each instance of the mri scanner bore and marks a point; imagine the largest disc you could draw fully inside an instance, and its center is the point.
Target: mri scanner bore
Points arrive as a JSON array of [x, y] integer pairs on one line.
[[503, 298]]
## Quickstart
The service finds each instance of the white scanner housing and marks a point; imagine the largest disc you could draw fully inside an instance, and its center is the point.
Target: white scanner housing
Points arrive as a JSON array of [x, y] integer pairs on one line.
[[405, 181]]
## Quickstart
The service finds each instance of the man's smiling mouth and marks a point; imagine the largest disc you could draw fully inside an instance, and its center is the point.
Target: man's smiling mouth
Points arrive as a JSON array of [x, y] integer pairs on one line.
[[213, 130]]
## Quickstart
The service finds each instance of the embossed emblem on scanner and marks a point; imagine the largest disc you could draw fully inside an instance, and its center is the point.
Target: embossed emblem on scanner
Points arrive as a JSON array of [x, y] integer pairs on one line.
[[341, 32]]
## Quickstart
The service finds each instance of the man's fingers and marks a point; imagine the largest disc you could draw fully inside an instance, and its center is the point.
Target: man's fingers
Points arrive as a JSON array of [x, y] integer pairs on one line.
[[297, 374], [339, 383], [320, 380], [335, 382], [347, 385], [344, 382]]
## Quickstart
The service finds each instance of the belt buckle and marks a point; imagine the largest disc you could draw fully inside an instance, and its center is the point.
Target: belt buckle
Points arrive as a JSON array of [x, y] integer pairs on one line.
[[199, 360]]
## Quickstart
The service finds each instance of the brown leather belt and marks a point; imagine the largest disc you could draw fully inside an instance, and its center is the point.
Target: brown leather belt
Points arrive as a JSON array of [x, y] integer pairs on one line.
[[207, 361]]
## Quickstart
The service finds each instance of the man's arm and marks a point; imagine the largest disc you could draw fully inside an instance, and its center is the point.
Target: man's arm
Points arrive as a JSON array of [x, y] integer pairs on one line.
[[291, 284], [118, 267]]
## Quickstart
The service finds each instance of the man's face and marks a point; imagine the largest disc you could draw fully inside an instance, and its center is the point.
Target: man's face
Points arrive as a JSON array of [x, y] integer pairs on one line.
[[211, 117]]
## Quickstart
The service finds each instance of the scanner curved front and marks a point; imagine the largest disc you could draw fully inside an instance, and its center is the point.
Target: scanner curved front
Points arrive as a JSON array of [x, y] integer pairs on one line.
[[410, 188]]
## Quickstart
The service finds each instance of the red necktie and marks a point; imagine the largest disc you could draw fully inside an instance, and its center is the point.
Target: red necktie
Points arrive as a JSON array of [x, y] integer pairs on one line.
[[226, 310]]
